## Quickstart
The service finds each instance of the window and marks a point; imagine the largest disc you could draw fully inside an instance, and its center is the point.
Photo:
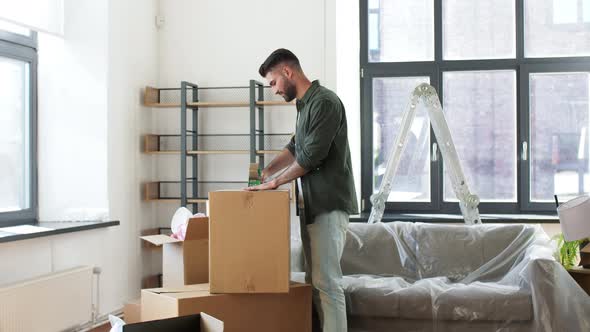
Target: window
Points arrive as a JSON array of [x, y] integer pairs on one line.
[[559, 107], [478, 29], [513, 77], [480, 106], [18, 181], [400, 22], [556, 28], [412, 183]]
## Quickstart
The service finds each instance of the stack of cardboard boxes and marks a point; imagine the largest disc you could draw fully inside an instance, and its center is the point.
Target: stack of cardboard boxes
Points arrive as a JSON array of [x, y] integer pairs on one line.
[[234, 265]]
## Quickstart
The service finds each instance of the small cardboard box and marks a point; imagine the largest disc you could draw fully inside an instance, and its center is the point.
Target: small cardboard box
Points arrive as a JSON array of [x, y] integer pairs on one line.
[[132, 311], [288, 312], [191, 323], [185, 262], [249, 241]]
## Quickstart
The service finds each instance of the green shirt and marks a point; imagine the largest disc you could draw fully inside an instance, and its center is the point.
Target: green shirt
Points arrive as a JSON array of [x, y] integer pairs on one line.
[[320, 145]]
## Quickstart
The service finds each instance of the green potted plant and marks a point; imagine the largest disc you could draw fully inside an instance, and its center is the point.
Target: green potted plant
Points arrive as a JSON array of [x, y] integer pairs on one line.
[[567, 251]]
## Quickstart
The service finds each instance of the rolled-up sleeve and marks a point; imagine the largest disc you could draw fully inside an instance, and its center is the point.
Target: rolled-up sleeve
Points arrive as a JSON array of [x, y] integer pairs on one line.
[[291, 145], [325, 120]]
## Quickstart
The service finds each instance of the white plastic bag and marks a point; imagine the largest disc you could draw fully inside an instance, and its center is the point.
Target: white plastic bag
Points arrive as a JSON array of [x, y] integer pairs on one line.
[[180, 221], [116, 324]]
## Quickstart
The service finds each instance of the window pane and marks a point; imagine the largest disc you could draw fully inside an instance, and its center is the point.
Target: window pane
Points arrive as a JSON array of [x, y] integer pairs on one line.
[[391, 98], [14, 135], [478, 29], [556, 28], [405, 31], [565, 12], [374, 32], [559, 135], [480, 107]]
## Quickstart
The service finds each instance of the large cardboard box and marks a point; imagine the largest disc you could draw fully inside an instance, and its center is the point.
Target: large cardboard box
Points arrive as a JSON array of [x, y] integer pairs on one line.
[[249, 241], [132, 311], [288, 312], [191, 323], [185, 262]]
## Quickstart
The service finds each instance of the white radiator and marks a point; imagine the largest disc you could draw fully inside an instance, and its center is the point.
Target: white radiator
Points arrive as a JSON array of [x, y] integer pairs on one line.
[[53, 302]]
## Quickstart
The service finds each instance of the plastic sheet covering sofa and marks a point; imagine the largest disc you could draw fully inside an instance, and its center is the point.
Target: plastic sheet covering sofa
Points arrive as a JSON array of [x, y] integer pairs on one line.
[[404, 276]]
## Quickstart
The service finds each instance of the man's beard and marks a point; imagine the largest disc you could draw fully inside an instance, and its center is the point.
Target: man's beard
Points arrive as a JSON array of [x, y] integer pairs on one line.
[[290, 92]]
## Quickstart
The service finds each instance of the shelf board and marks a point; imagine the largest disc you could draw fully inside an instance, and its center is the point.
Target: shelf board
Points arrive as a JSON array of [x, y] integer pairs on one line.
[[165, 200], [163, 152], [268, 151], [579, 269], [196, 200], [150, 99], [162, 105], [150, 143], [150, 96], [193, 152], [217, 104], [199, 104], [210, 152], [212, 104], [151, 192], [274, 103]]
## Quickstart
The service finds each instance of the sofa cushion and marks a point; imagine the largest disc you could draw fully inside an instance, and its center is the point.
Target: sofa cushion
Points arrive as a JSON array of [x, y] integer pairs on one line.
[[484, 301], [379, 249], [434, 298], [372, 296], [454, 251], [447, 250], [497, 239]]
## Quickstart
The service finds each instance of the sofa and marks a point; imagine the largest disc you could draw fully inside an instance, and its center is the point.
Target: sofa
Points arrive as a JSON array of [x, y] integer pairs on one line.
[[404, 276]]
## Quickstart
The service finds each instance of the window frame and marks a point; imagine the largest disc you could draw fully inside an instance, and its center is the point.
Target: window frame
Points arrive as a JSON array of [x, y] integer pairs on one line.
[[434, 69], [23, 48]]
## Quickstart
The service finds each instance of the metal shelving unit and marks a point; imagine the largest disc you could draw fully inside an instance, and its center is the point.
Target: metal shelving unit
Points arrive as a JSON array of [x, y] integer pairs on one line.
[[191, 143]]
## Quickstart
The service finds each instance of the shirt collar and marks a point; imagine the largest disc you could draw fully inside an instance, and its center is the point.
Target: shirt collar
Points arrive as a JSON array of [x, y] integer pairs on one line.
[[310, 91]]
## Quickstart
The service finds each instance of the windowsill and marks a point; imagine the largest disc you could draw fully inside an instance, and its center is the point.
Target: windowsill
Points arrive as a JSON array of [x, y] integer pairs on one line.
[[454, 218], [54, 228]]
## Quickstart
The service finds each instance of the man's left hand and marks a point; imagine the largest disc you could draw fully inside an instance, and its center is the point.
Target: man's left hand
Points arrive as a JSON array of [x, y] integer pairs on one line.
[[270, 185]]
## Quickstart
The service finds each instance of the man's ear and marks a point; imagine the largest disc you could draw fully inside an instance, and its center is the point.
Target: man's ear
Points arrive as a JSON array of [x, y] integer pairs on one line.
[[287, 71]]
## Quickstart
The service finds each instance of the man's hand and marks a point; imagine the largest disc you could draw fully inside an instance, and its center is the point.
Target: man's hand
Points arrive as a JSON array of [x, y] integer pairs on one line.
[[265, 186], [264, 174]]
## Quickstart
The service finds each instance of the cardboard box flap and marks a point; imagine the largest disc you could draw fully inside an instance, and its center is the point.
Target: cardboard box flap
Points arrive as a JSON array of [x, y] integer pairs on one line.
[[197, 228], [132, 311], [180, 289], [210, 324], [159, 239]]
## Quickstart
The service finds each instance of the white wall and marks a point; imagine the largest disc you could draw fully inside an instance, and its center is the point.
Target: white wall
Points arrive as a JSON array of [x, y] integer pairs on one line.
[[348, 78], [91, 118], [72, 116], [133, 63]]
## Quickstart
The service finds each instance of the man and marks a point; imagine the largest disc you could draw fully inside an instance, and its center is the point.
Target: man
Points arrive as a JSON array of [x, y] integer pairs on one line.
[[318, 157]]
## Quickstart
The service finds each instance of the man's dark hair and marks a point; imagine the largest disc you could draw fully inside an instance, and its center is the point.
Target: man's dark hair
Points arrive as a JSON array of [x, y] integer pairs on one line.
[[277, 57]]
